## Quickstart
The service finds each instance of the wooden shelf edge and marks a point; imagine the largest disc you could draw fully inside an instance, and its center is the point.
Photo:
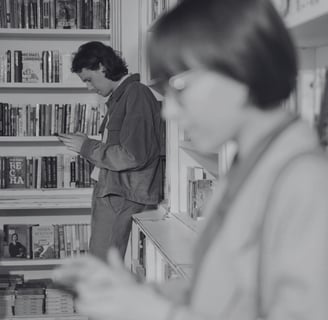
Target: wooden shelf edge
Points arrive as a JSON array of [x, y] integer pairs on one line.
[[29, 262], [47, 317], [55, 33], [209, 161], [307, 13], [36, 139], [160, 230], [187, 221], [43, 86], [35, 193]]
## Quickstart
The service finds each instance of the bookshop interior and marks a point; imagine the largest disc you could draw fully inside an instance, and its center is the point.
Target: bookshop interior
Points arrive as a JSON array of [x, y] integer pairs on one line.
[[195, 206]]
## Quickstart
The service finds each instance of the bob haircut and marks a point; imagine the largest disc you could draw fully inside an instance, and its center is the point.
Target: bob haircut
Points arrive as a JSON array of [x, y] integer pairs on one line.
[[242, 39], [91, 54]]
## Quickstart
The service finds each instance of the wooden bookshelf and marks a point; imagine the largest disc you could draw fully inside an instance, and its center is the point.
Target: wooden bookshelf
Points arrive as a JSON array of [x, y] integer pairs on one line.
[[170, 238]]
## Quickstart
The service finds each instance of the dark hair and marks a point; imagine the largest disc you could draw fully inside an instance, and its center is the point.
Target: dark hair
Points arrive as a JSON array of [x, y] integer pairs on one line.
[[91, 54], [243, 39], [14, 234]]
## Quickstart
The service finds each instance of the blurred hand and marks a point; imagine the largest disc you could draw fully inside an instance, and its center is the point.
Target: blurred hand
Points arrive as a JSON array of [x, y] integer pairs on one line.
[[73, 141], [110, 291]]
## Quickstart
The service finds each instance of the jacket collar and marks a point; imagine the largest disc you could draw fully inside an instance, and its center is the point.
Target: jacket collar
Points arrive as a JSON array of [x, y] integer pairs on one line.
[[117, 93]]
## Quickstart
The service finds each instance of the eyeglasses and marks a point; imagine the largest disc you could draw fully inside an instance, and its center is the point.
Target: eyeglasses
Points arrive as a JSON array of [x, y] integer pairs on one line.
[[175, 84]]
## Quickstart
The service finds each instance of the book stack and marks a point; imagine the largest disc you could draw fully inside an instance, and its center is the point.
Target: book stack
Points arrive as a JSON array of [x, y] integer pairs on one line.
[[10, 280], [7, 298], [7, 293], [58, 302], [29, 299]]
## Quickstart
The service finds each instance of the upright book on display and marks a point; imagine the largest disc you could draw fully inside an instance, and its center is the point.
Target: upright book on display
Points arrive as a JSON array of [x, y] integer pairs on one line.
[[65, 14]]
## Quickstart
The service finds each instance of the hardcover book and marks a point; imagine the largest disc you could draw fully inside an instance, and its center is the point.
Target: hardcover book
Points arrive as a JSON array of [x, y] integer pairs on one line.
[[16, 172], [43, 242], [17, 240]]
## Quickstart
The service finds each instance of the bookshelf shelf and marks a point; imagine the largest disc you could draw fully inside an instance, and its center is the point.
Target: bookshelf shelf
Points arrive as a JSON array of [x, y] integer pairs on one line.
[[48, 317], [15, 199], [168, 245], [72, 192], [174, 239], [309, 24], [208, 160], [20, 204], [27, 139], [43, 86], [29, 262], [307, 12], [55, 34]]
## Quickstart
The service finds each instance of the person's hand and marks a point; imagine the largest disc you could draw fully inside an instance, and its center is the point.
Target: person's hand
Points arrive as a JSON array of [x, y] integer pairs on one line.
[[110, 291], [124, 299], [88, 269], [73, 141]]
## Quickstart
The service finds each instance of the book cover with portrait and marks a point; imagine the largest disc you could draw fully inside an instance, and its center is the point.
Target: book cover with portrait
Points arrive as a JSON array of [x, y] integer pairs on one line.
[[16, 240]]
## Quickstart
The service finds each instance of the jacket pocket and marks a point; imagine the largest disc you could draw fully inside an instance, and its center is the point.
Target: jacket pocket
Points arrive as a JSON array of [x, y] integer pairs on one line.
[[115, 202]]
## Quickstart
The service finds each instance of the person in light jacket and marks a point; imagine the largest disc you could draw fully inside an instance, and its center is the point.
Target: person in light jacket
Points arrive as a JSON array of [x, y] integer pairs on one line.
[[225, 67]]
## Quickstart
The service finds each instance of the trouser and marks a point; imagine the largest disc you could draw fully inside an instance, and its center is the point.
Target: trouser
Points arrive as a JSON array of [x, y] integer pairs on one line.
[[111, 221]]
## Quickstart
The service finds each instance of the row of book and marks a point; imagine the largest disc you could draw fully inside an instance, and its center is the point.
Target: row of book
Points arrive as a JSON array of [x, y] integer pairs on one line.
[[33, 172], [34, 298], [59, 14], [198, 191], [47, 66], [26, 241], [49, 119]]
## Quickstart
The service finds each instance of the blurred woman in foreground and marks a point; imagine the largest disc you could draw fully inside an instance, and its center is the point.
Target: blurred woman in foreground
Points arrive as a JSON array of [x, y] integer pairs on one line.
[[225, 67]]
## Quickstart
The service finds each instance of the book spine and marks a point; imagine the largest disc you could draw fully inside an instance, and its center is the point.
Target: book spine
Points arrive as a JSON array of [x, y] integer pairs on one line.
[[8, 75], [62, 253], [18, 66]]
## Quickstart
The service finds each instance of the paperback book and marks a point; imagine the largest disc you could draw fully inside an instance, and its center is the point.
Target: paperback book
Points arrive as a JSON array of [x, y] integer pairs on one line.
[[31, 67], [43, 242], [65, 14]]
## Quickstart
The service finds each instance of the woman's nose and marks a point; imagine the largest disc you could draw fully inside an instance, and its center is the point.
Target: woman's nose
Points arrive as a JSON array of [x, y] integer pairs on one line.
[[90, 86]]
